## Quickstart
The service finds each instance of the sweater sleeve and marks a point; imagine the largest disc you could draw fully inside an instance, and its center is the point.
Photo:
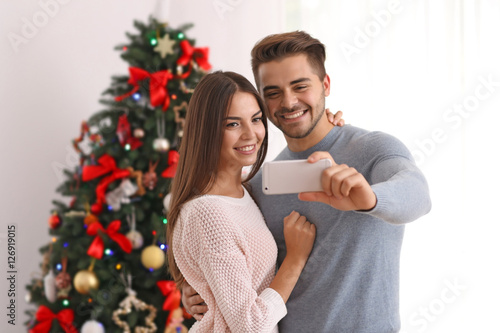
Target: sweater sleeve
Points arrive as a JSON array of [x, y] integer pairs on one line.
[[224, 265], [401, 189]]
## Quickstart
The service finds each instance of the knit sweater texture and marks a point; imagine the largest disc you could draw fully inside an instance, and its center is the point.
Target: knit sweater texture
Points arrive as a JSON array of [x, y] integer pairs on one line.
[[350, 283], [227, 254]]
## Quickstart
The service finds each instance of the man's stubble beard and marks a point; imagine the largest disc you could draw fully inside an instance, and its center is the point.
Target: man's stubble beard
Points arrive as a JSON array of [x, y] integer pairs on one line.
[[314, 123]]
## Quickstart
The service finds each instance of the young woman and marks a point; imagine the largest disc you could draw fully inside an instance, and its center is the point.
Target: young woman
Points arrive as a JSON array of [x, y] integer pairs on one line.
[[219, 242]]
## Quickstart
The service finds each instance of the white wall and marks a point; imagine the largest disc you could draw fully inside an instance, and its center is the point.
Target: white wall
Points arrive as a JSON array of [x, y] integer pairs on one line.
[[51, 83], [420, 71]]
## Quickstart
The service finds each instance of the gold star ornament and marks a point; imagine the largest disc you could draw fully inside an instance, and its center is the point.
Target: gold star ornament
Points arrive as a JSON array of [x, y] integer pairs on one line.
[[165, 46]]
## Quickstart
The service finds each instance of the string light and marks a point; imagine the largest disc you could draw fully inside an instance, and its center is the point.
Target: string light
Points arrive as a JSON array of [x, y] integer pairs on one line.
[[108, 252], [165, 221], [136, 96], [59, 267], [65, 244], [54, 239], [174, 96], [162, 246], [153, 41], [90, 300], [154, 232], [125, 49], [127, 147], [180, 35], [118, 267], [65, 302]]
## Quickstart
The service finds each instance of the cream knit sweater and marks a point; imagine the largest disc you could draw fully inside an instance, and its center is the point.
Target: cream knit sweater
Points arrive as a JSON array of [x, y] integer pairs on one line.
[[227, 254]]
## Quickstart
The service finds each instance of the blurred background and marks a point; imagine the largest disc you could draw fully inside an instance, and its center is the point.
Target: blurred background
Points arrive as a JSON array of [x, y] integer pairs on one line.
[[426, 72]]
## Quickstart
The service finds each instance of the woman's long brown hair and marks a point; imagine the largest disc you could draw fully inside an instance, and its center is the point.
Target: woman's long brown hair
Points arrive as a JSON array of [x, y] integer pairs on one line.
[[201, 143]]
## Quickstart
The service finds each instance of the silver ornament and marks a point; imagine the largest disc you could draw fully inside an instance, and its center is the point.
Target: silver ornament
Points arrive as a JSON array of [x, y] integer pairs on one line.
[[92, 326], [161, 145], [138, 133], [135, 238]]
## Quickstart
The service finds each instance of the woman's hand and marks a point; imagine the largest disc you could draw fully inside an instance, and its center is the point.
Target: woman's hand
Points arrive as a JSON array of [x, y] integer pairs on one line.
[[299, 237], [193, 303]]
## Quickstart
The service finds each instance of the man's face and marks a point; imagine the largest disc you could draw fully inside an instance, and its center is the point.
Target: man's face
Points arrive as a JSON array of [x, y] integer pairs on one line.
[[294, 94]]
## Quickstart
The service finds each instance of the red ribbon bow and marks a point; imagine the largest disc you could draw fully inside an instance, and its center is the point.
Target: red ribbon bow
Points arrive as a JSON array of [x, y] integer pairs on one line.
[[158, 93], [173, 160], [96, 249], [173, 300], [106, 164], [169, 289], [199, 54], [44, 316]]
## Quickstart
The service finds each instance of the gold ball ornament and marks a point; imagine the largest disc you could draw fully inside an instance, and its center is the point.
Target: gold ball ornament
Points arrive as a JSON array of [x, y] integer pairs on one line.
[[84, 281], [152, 257]]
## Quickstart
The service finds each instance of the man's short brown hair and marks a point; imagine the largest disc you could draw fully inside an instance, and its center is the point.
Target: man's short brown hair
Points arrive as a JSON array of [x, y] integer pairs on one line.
[[279, 46]]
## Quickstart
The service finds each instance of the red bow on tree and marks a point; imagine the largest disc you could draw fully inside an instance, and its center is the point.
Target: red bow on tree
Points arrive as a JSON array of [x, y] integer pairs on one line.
[[173, 160], [158, 93], [106, 164], [168, 289], [45, 316], [198, 54], [96, 249], [173, 300]]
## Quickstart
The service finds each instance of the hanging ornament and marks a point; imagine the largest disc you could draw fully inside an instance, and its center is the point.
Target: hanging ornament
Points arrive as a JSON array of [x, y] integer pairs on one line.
[[74, 213], [84, 129], [179, 120], [139, 133], [121, 194], [124, 134], [136, 239], [165, 46], [174, 322], [49, 287], [161, 144], [92, 326], [137, 175], [166, 202], [133, 235], [85, 280], [152, 257], [55, 220], [89, 218], [28, 297], [63, 280], [150, 178], [125, 308]]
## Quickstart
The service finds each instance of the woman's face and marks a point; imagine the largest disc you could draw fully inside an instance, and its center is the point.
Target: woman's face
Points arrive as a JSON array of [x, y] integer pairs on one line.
[[243, 134]]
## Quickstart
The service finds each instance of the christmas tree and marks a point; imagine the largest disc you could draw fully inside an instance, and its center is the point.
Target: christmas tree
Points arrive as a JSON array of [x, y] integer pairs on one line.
[[104, 269]]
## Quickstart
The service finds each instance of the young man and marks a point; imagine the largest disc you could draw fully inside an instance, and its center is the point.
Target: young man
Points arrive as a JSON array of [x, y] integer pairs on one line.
[[351, 280]]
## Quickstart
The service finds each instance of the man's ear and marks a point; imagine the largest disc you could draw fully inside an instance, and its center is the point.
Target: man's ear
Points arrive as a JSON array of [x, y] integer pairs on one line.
[[326, 85]]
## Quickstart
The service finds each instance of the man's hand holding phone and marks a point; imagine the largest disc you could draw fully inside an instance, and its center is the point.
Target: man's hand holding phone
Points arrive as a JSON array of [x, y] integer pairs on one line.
[[344, 188]]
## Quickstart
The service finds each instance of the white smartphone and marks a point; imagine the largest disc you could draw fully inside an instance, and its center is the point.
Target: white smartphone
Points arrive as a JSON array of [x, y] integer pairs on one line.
[[294, 176]]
